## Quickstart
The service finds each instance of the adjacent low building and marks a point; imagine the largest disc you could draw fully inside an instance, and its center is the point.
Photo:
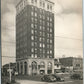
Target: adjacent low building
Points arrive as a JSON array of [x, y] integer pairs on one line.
[[72, 63], [57, 66], [5, 68]]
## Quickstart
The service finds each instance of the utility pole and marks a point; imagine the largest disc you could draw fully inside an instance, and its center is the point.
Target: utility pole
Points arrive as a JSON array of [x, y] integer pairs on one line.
[[10, 70]]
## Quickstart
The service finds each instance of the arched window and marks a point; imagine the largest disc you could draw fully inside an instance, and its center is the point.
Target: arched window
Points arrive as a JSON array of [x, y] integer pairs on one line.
[[42, 65], [34, 65], [50, 65]]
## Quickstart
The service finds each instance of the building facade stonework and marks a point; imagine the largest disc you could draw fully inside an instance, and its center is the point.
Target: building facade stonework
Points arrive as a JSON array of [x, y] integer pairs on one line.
[[35, 37], [35, 66]]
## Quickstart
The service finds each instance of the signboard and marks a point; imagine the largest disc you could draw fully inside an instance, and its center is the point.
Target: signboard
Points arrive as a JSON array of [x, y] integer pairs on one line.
[[10, 70]]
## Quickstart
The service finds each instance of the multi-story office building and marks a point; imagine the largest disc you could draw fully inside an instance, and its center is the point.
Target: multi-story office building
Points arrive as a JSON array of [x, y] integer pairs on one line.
[[35, 37]]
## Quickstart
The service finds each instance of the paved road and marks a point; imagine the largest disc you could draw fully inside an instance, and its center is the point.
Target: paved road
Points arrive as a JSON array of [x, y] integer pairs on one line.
[[37, 82]]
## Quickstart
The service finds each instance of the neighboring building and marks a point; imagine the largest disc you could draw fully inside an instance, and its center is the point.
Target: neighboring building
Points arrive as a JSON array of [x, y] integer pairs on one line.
[[35, 37], [7, 66], [57, 66], [72, 63]]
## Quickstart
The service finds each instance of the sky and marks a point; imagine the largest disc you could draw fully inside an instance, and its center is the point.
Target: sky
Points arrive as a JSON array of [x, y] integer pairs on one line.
[[68, 29]]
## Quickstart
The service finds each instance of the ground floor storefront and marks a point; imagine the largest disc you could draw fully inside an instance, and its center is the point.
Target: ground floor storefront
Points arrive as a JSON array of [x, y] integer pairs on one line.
[[35, 66]]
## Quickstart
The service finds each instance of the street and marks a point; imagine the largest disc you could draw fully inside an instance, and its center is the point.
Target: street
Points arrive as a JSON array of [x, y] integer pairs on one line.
[[38, 82]]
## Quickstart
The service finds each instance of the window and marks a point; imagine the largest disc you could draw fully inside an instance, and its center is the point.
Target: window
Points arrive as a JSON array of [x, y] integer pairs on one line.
[[40, 21], [77, 65], [50, 51], [32, 31], [47, 40], [47, 56], [43, 51], [32, 25], [43, 45], [32, 13], [42, 65], [50, 65], [32, 19], [47, 23], [35, 31], [43, 39], [50, 41], [50, 46], [35, 1], [32, 43], [40, 45], [43, 4], [48, 18], [32, 50], [40, 33], [35, 9], [35, 44], [35, 50], [48, 6], [43, 22], [40, 16], [40, 27], [51, 35], [43, 33], [36, 20], [32, 1], [50, 24], [40, 50], [35, 55], [35, 26], [57, 65], [50, 30], [48, 35], [32, 55], [32, 7], [40, 39], [47, 45], [32, 37], [35, 38], [43, 17], [47, 51], [40, 3], [35, 14], [40, 10], [43, 28]]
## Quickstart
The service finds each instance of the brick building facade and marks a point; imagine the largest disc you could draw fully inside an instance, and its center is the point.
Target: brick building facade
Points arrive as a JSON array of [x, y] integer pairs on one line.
[[35, 37]]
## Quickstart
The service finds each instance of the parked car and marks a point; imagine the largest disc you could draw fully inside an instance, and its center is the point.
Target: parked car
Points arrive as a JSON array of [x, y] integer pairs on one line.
[[58, 78], [77, 76], [48, 78]]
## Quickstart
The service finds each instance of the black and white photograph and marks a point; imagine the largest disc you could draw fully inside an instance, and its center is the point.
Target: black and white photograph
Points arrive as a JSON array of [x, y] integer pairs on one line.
[[42, 42]]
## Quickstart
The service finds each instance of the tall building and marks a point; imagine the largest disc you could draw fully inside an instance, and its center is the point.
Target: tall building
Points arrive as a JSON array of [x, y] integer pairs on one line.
[[35, 37]]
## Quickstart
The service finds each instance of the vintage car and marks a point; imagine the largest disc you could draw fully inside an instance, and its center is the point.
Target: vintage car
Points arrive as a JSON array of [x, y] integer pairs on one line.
[[48, 78], [58, 78]]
